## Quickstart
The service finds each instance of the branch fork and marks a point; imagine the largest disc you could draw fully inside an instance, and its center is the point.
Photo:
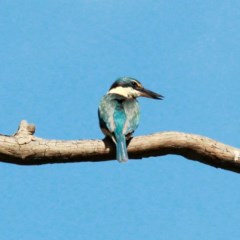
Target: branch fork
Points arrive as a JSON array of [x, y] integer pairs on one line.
[[24, 133]]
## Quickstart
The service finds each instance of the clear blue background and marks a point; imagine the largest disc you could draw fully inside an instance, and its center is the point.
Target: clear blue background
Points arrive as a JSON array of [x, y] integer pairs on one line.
[[57, 58]]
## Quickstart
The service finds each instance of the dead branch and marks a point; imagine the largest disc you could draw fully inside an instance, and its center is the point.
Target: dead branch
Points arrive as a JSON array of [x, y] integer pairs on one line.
[[24, 148]]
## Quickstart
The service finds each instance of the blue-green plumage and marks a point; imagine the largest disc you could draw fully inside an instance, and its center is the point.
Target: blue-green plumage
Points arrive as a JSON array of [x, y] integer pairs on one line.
[[118, 118], [119, 112]]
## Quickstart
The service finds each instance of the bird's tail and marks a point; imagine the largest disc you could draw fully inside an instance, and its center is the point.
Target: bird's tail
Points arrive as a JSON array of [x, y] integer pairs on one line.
[[121, 148]]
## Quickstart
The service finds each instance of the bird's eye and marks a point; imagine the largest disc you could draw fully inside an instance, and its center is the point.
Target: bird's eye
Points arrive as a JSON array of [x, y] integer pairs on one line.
[[135, 85]]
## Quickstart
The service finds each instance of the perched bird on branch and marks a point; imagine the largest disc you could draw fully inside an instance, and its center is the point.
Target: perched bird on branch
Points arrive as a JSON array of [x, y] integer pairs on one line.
[[119, 112]]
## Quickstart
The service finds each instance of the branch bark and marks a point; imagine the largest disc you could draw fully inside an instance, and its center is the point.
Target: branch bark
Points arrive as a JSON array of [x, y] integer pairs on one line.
[[24, 148]]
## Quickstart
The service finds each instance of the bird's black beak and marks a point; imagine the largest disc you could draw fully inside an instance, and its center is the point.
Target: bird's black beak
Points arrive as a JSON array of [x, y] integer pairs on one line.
[[149, 94]]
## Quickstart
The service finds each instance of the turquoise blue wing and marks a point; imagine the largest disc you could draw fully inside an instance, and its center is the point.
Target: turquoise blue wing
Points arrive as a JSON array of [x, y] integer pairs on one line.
[[106, 114], [132, 111]]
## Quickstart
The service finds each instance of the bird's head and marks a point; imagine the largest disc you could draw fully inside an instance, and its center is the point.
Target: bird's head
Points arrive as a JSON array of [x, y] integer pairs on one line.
[[127, 87]]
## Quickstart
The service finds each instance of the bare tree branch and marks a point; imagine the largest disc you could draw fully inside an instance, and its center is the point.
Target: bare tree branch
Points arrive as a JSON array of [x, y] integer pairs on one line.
[[24, 148]]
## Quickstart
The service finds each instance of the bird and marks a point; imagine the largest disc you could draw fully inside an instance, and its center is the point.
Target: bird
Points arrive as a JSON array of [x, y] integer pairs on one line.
[[119, 112]]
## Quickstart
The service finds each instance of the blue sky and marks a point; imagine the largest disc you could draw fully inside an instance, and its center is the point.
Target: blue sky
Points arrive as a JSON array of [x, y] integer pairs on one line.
[[57, 60]]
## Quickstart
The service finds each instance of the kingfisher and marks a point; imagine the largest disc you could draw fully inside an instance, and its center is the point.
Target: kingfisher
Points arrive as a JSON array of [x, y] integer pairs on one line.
[[119, 112]]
